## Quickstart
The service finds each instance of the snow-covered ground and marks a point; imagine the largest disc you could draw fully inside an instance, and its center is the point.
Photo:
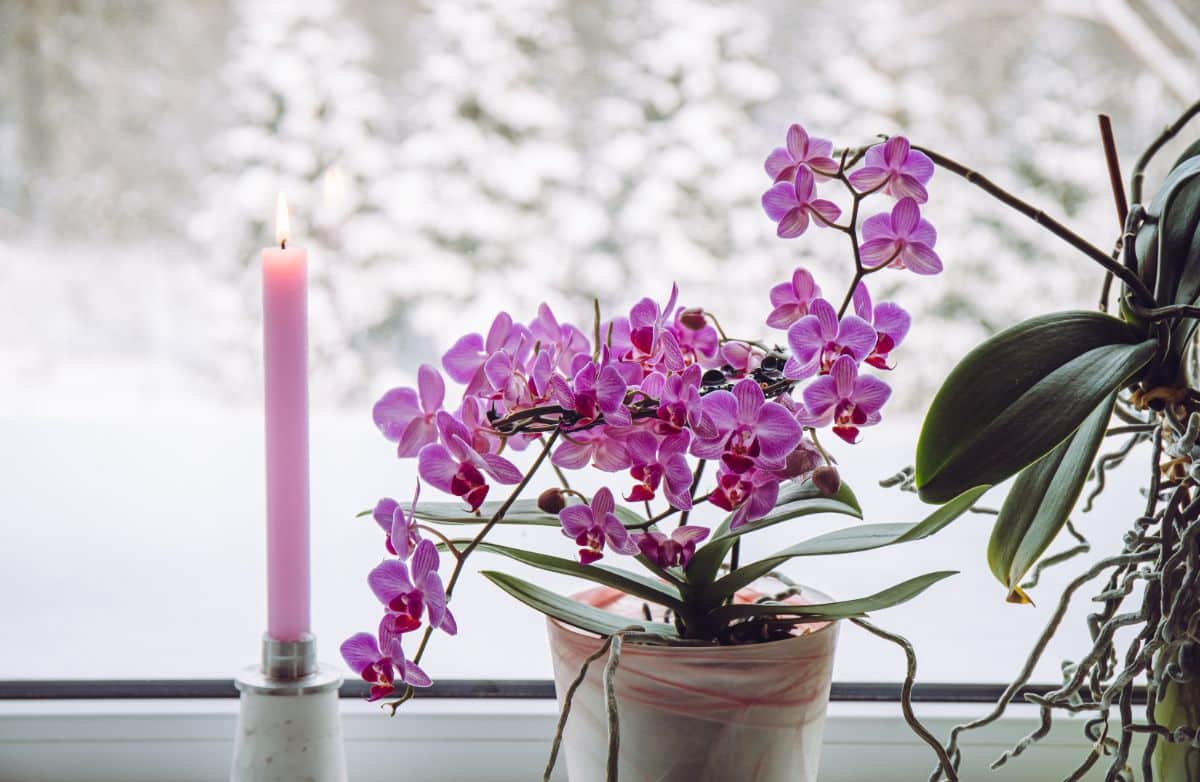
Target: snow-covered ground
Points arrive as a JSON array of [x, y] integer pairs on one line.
[[134, 547]]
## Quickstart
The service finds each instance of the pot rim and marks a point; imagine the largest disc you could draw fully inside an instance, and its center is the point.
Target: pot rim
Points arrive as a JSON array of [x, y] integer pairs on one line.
[[830, 625]]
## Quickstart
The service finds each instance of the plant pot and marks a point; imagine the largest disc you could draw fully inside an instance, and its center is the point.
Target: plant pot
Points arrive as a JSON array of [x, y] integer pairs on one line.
[[751, 713]]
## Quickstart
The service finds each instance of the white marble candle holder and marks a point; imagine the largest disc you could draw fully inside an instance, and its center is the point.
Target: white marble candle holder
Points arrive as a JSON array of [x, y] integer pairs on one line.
[[288, 727]]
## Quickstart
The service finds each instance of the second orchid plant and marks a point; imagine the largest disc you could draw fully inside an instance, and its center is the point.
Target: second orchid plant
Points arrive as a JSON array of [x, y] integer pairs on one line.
[[681, 417]]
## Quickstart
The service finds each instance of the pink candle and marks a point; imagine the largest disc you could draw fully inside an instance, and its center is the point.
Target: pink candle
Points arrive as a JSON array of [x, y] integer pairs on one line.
[[285, 357]]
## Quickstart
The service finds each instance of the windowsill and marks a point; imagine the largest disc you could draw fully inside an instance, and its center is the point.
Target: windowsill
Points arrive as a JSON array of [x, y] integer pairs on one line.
[[453, 739]]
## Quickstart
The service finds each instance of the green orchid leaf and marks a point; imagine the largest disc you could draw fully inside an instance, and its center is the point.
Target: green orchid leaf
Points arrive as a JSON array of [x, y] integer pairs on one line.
[[1015, 397], [844, 541], [570, 611], [521, 512], [1041, 500], [630, 583], [889, 597], [797, 500]]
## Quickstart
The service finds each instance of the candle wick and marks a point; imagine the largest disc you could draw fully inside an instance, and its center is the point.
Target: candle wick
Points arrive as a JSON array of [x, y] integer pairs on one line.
[[283, 244]]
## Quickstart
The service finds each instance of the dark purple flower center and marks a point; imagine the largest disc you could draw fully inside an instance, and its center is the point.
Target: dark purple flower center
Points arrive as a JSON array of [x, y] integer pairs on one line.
[[741, 449], [469, 484]]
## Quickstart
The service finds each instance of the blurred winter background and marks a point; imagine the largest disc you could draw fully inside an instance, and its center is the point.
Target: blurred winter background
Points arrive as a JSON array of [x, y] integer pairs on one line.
[[444, 160], [448, 159]]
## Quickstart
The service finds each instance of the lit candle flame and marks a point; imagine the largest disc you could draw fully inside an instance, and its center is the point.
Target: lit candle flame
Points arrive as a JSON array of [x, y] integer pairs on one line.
[[283, 224]]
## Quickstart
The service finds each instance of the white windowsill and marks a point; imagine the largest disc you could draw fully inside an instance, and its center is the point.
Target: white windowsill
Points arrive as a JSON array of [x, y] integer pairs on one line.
[[478, 740]]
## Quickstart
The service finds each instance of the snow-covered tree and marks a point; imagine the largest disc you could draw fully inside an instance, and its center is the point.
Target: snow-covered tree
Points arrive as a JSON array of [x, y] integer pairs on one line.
[[675, 151], [306, 118], [488, 184]]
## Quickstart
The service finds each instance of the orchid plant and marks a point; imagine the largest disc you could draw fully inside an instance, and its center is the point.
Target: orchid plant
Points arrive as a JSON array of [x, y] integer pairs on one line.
[[681, 419]]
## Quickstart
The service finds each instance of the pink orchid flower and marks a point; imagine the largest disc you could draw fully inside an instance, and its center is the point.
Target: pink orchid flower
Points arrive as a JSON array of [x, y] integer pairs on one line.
[[902, 239], [678, 396], [361, 653], [802, 151], [660, 461], [456, 468], [675, 550], [594, 391], [845, 399], [563, 341], [593, 526], [652, 344], [603, 447], [408, 599], [890, 321], [742, 357], [746, 429], [406, 416], [819, 338], [750, 495], [402, 535], [464, 361], [901, 171], [791, 300], [698, 346], [792, 203]]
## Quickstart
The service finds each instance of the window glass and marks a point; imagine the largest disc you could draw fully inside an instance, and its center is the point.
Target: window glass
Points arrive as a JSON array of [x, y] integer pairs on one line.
[[448, 160]]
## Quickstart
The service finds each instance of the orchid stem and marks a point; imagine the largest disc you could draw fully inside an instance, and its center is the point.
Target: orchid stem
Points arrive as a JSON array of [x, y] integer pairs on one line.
[[1126, 275], [492, 522]]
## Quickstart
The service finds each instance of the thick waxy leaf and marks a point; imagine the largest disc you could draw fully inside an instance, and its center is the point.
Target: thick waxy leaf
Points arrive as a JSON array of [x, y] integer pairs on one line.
[[900, 593], [1166, 241], [569, 611], [844, 541], [797, 500], [1015, 397], [631, 583], [1041, 500], [1168, 251]]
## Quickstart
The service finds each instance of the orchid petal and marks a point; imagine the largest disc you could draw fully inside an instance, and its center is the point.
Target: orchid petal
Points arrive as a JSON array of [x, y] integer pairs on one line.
[[499, 334], [389, 579], [857, 336], [384, 511], [904, 186], [721, 408], [575, 520], [394, 410], [905, 215], [777, 161], [844, 373], [431, 387], [918, 165], [360, 652], [895, 151], [424, 561], [571, 455], [464, 358], [921, 259], [828, 210], [868, 178], [436, 465], [797, 142], [821, 396], [892, 320], [870, 394], [776, 432], [501, 469], [876, 252]]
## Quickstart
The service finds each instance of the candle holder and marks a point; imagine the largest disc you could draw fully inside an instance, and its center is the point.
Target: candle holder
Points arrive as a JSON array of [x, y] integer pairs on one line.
[[288, 724]]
